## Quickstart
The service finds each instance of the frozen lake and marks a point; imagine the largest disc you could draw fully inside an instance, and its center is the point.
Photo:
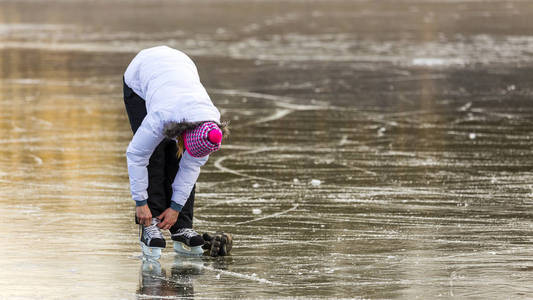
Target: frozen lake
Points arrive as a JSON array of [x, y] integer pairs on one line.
[[379, 149]]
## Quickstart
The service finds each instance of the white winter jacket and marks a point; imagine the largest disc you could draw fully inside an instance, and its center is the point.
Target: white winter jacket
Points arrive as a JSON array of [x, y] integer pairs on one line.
[[168, 81]]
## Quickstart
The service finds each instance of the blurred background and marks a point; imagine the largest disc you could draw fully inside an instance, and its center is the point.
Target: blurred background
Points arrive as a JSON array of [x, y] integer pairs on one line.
[[379, 149]]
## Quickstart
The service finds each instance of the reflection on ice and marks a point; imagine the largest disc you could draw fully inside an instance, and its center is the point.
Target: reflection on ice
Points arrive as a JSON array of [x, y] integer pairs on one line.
[[156, 283]]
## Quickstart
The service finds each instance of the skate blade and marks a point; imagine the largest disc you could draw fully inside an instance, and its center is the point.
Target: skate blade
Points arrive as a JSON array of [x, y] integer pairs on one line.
[[181, 248], [150, 252]]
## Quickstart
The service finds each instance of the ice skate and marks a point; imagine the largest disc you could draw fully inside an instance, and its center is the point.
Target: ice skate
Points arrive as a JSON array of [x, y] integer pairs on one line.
[[188, 242], [152, 241]]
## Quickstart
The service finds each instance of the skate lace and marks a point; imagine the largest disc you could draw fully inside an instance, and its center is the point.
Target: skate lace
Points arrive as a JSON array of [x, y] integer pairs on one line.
[[153, 231], [188, 232]]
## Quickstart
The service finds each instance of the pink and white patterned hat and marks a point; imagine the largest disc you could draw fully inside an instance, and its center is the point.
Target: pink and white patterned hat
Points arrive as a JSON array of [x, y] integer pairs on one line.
[[203, 139]]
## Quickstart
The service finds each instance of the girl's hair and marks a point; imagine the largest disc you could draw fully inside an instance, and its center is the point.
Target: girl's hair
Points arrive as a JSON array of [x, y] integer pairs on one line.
[[175, 130]]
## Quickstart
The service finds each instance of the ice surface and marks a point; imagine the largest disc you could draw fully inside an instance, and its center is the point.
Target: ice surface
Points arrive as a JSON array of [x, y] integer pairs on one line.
[[315, 182], [376, 99]]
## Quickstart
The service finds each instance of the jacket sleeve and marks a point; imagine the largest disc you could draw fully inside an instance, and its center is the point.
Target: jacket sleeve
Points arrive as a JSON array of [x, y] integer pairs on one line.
[[188, 173], [141, 147]]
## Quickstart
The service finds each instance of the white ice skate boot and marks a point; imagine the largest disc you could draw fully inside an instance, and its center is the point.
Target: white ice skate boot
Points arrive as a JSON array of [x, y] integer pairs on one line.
[[152, 241], [188, 242]]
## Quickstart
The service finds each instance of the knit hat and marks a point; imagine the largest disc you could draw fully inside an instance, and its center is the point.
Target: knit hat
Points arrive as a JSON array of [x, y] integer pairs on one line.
[[203, 139]]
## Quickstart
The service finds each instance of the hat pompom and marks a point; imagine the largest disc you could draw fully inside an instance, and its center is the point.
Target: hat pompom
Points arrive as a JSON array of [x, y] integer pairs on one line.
[[215, 136]]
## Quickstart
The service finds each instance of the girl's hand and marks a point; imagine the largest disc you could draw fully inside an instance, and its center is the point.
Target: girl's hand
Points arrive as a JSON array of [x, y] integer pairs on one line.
[[168, 218], [144, 216]]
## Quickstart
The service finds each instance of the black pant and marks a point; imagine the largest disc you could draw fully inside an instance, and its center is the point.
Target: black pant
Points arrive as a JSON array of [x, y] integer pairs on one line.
[[162, 167]]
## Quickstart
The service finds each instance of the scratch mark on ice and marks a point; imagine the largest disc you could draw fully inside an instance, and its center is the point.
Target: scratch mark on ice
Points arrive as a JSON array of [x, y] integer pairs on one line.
[[37, 159], [270, 216], [280, 113], [243, 276], [218, 165]]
